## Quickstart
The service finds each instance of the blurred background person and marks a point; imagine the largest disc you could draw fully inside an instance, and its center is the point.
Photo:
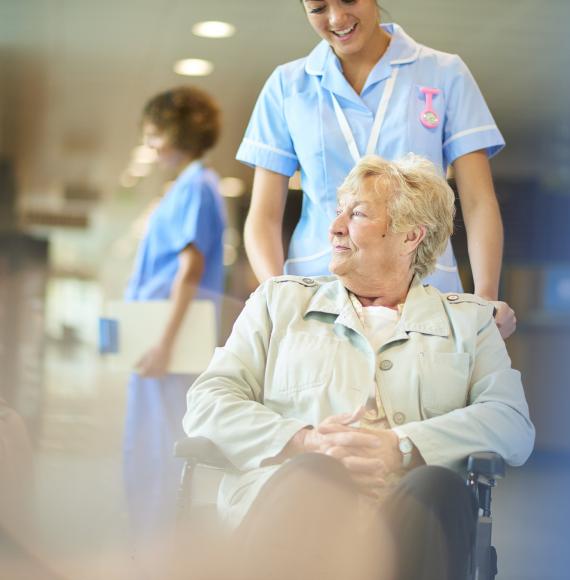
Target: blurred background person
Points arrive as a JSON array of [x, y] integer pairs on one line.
[[369, 88], [180, 258]]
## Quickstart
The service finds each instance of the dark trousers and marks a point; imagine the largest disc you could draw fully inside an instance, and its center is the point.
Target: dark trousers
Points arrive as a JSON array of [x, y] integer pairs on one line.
[[309, 521]]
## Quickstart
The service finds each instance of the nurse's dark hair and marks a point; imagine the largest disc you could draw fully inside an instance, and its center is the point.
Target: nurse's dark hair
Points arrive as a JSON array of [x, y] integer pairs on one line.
[[380, 8], [377, 4], [188, 116]]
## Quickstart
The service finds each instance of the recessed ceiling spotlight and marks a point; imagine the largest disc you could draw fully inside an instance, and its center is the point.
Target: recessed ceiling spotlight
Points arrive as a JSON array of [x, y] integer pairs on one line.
[[127, 180], [144, 154], [213, 29], [193, 67], [230, 255], [139, 169], [232, 187]]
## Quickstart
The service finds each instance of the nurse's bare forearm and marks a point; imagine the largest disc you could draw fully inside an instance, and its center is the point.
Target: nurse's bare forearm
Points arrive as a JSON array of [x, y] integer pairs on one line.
[[485, 246], [264, 223], [181, 298], [482, 221], [191, 267], [264, 247]]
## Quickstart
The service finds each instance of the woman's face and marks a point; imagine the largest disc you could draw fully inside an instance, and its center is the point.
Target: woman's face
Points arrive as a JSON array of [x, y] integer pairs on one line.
[[363, 246], [168, 156], [349, 26]]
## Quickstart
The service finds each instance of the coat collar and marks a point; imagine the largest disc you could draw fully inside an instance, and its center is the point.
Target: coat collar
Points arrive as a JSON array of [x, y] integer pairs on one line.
[[323, 62], [332, 298], [423, 309]]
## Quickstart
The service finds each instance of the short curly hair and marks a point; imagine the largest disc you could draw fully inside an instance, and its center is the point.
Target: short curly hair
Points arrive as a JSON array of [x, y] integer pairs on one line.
[[188, 116], [418, 196]]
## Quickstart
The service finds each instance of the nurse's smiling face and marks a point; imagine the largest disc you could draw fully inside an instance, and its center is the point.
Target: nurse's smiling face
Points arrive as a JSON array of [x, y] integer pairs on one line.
[[349, 26]]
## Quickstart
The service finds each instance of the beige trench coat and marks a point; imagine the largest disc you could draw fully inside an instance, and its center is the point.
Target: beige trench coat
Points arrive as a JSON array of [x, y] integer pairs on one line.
[[298, 354]]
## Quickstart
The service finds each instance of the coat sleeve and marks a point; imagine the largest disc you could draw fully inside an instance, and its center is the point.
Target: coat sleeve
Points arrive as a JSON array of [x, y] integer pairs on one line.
[[496, 417], [225, 404]]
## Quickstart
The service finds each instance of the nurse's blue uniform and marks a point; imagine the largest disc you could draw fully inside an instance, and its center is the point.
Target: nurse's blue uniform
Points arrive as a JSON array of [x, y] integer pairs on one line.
[[191, 212], [296, 124]]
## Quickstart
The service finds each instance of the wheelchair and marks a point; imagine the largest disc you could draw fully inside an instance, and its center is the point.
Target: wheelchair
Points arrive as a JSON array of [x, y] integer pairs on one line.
[[483, 471]]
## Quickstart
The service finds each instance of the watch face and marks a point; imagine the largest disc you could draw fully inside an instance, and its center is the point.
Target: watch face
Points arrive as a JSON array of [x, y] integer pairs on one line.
[[406, 446]]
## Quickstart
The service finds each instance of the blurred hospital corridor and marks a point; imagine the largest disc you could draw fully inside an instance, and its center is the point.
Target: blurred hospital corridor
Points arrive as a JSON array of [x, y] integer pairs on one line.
[[135, 139]]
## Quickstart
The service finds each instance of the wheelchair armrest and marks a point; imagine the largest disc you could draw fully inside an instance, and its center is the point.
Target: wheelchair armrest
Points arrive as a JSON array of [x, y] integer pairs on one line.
[[486, 464], [200, 450], [483, 469]]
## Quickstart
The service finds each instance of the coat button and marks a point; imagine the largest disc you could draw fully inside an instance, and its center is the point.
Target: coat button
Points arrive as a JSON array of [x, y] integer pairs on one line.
[[386, 365], [453, 297], [308, 281], [399, 418]]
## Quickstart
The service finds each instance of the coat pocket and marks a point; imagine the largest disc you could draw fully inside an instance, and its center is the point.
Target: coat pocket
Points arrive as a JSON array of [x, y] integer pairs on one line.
[[304, 361], [444, 381]]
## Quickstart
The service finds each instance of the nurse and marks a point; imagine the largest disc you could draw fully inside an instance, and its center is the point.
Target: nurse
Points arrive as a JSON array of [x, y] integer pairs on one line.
[[368, 88], [180, 258]]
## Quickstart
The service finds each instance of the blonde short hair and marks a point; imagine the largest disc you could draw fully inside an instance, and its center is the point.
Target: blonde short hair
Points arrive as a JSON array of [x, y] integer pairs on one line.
[[418, 195]]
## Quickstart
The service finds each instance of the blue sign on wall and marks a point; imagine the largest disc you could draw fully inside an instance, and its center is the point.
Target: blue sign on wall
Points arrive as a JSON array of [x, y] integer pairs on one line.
[[557, 289]]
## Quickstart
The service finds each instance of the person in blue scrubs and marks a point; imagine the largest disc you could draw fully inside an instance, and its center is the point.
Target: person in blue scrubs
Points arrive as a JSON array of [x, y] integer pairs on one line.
[[180, 258], [367, 88]]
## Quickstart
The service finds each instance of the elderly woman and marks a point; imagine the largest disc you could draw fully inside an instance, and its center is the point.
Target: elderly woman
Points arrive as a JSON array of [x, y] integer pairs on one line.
[[393, 382]]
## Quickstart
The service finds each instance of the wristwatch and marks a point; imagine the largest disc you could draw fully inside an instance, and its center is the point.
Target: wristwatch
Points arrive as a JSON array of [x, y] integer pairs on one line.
[[406, 448]]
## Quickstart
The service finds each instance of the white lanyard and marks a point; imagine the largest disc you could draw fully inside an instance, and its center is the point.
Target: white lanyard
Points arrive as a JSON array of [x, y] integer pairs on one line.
[[378, 120]]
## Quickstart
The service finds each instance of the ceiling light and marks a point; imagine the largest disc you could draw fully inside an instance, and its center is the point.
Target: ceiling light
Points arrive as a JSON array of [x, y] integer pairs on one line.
[[230, 255], [144, 154], [193, 67], [232, 237], [127, 180], [139, 169], [232, 187], [213, 29]]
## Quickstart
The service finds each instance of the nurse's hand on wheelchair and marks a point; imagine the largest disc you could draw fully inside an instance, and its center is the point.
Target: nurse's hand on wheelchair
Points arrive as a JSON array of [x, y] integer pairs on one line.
[[504, 318]]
